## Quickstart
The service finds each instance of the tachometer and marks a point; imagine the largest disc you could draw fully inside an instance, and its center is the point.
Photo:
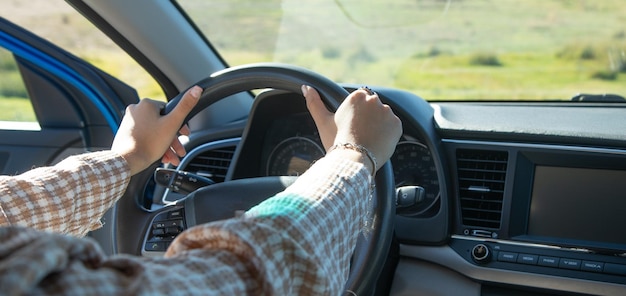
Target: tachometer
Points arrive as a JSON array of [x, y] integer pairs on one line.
[[293, 156], [414, 165]]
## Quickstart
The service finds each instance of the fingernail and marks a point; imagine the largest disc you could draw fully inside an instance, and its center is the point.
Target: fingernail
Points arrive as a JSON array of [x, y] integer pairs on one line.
[[196, 91], [305, 90]]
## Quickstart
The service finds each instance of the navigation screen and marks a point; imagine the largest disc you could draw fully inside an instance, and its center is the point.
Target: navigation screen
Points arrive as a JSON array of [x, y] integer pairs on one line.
[[579, 204]]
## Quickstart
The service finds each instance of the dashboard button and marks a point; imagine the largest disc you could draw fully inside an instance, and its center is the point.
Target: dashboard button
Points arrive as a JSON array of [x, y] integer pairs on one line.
[[172, 230], [592, 266], [548, 261], [174, 223], [527, 259], [155, 247], [177, 214], [618, 269], [481, 254], [507, 256], [569, 263]]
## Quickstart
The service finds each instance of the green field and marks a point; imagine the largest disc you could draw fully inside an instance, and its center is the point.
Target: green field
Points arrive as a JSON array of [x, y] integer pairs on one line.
[[441, 50], [16, 109], [457, 50]]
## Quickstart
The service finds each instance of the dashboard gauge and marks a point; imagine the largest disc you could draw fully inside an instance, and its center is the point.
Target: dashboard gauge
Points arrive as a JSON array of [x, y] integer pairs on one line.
[[293, 156], [414, 165]]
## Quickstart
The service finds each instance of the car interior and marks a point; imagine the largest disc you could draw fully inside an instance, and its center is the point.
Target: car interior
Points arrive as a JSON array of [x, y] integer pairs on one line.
[[512, 190]]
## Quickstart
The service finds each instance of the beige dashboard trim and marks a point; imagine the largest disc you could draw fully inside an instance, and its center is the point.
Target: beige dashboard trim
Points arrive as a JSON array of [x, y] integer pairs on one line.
[[447, 257]]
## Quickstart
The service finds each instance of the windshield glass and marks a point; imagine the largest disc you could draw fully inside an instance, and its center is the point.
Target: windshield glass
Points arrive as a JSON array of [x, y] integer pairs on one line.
[[438, 49]]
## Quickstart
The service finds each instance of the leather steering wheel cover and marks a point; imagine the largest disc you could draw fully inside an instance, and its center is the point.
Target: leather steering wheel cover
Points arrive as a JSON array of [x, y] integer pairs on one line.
[[371, 251]]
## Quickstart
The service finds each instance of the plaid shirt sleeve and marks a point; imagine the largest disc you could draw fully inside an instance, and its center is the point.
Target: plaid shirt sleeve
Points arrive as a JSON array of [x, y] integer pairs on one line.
[[69, 197], [298, 242]]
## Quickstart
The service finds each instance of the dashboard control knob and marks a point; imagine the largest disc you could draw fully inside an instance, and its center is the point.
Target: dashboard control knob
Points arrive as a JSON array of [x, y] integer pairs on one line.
[[481, 253]]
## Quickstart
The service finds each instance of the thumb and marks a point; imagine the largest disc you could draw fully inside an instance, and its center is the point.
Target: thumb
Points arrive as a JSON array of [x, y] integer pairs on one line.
[[324, 119], [185, 105]]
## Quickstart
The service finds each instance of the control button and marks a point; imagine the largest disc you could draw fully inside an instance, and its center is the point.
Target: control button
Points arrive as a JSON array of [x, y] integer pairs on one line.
[[158, 225], [174, 223], [482, 233], [569, 263], [155, 247], [172, 230], [480, 253], [548, 261], [592, 266], [158, 231], [507, 257], [177, 214], [618, 269], [527, 259]]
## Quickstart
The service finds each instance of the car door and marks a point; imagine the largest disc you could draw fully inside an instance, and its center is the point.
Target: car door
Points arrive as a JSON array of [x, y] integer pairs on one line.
[[77, 106]]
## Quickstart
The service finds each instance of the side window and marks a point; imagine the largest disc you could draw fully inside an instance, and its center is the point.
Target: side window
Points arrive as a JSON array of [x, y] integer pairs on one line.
[[58, 22], [15, 106]]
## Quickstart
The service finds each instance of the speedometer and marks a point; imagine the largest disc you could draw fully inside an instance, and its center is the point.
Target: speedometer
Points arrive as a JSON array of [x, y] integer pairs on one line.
[[293, 156], [413, 165]]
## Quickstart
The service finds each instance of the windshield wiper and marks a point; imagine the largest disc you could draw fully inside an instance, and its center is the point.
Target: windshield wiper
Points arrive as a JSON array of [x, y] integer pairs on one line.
[[603, 98]]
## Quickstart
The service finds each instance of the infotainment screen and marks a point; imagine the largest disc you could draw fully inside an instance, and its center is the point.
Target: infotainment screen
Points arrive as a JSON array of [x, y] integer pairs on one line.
[[578, 204]]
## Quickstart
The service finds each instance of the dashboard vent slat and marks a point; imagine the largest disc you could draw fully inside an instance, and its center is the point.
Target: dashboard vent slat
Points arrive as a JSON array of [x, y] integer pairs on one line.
[[212, 163], [481, 176]]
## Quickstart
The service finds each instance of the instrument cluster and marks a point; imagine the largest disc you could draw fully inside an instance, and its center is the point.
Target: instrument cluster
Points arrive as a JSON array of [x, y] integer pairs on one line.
[[292, 145]]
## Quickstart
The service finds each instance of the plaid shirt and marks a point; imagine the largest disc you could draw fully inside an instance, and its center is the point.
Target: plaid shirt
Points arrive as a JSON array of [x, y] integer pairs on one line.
[[298, 242]]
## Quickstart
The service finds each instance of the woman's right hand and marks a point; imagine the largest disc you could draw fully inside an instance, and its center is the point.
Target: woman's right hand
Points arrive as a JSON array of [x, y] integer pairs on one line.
[[362, 119]]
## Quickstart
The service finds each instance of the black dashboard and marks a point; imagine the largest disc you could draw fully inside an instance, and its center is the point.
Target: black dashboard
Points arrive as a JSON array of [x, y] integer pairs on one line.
[[288, 143], [531, 196]]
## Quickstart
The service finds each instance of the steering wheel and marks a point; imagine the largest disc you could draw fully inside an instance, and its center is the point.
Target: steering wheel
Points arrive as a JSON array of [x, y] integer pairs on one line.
[[206, 204]]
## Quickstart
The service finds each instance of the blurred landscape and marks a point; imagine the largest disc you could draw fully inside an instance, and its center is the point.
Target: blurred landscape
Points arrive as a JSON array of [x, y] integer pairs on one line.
[[449, 50], [441, 50], [58, 22]]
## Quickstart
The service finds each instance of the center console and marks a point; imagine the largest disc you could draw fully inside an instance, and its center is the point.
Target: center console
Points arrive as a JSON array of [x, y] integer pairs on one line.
[[541, 209]]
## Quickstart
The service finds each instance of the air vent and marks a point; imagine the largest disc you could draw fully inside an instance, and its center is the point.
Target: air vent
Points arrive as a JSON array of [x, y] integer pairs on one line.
[[481, 176], [212, 163]]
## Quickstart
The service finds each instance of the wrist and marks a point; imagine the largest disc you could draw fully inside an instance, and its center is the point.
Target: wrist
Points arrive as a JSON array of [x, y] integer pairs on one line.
[[356, 153]]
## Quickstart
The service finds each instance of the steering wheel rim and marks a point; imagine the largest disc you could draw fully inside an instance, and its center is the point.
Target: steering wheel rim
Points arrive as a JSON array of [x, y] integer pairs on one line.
[[371, 251]]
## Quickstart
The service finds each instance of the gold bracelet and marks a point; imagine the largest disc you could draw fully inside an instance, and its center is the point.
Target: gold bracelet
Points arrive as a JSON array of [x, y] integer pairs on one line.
[[358, 148]]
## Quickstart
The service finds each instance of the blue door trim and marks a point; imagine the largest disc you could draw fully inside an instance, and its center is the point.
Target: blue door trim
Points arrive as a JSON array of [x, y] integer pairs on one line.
[[64, 72]]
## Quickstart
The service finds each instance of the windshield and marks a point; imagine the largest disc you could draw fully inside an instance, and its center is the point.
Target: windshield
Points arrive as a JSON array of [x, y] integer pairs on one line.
[[438, 49]]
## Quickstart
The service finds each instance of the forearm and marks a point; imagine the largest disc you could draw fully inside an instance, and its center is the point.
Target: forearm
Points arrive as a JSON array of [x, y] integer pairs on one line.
[[306, 232], [296, 243], [69, 197]]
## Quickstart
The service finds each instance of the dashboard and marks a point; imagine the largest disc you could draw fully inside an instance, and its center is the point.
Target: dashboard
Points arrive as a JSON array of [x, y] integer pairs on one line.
[[292, 144], [289, 143], [517, 197]]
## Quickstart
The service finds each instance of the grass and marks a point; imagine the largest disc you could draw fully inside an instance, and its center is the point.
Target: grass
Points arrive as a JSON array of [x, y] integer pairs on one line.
[[523, 76], [477, 50], [458, 50], [16, 109], [119, 65]]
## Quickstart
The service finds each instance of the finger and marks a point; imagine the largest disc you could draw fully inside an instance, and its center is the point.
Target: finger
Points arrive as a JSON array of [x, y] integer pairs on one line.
[[178, 148], [314, 104], [170, 157], [184, 130], [316, 107], [324, 119], [185, 105], [149, 103]]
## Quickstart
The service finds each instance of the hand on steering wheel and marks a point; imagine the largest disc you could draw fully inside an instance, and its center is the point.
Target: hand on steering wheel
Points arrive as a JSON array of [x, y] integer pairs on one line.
[[371, 251]]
